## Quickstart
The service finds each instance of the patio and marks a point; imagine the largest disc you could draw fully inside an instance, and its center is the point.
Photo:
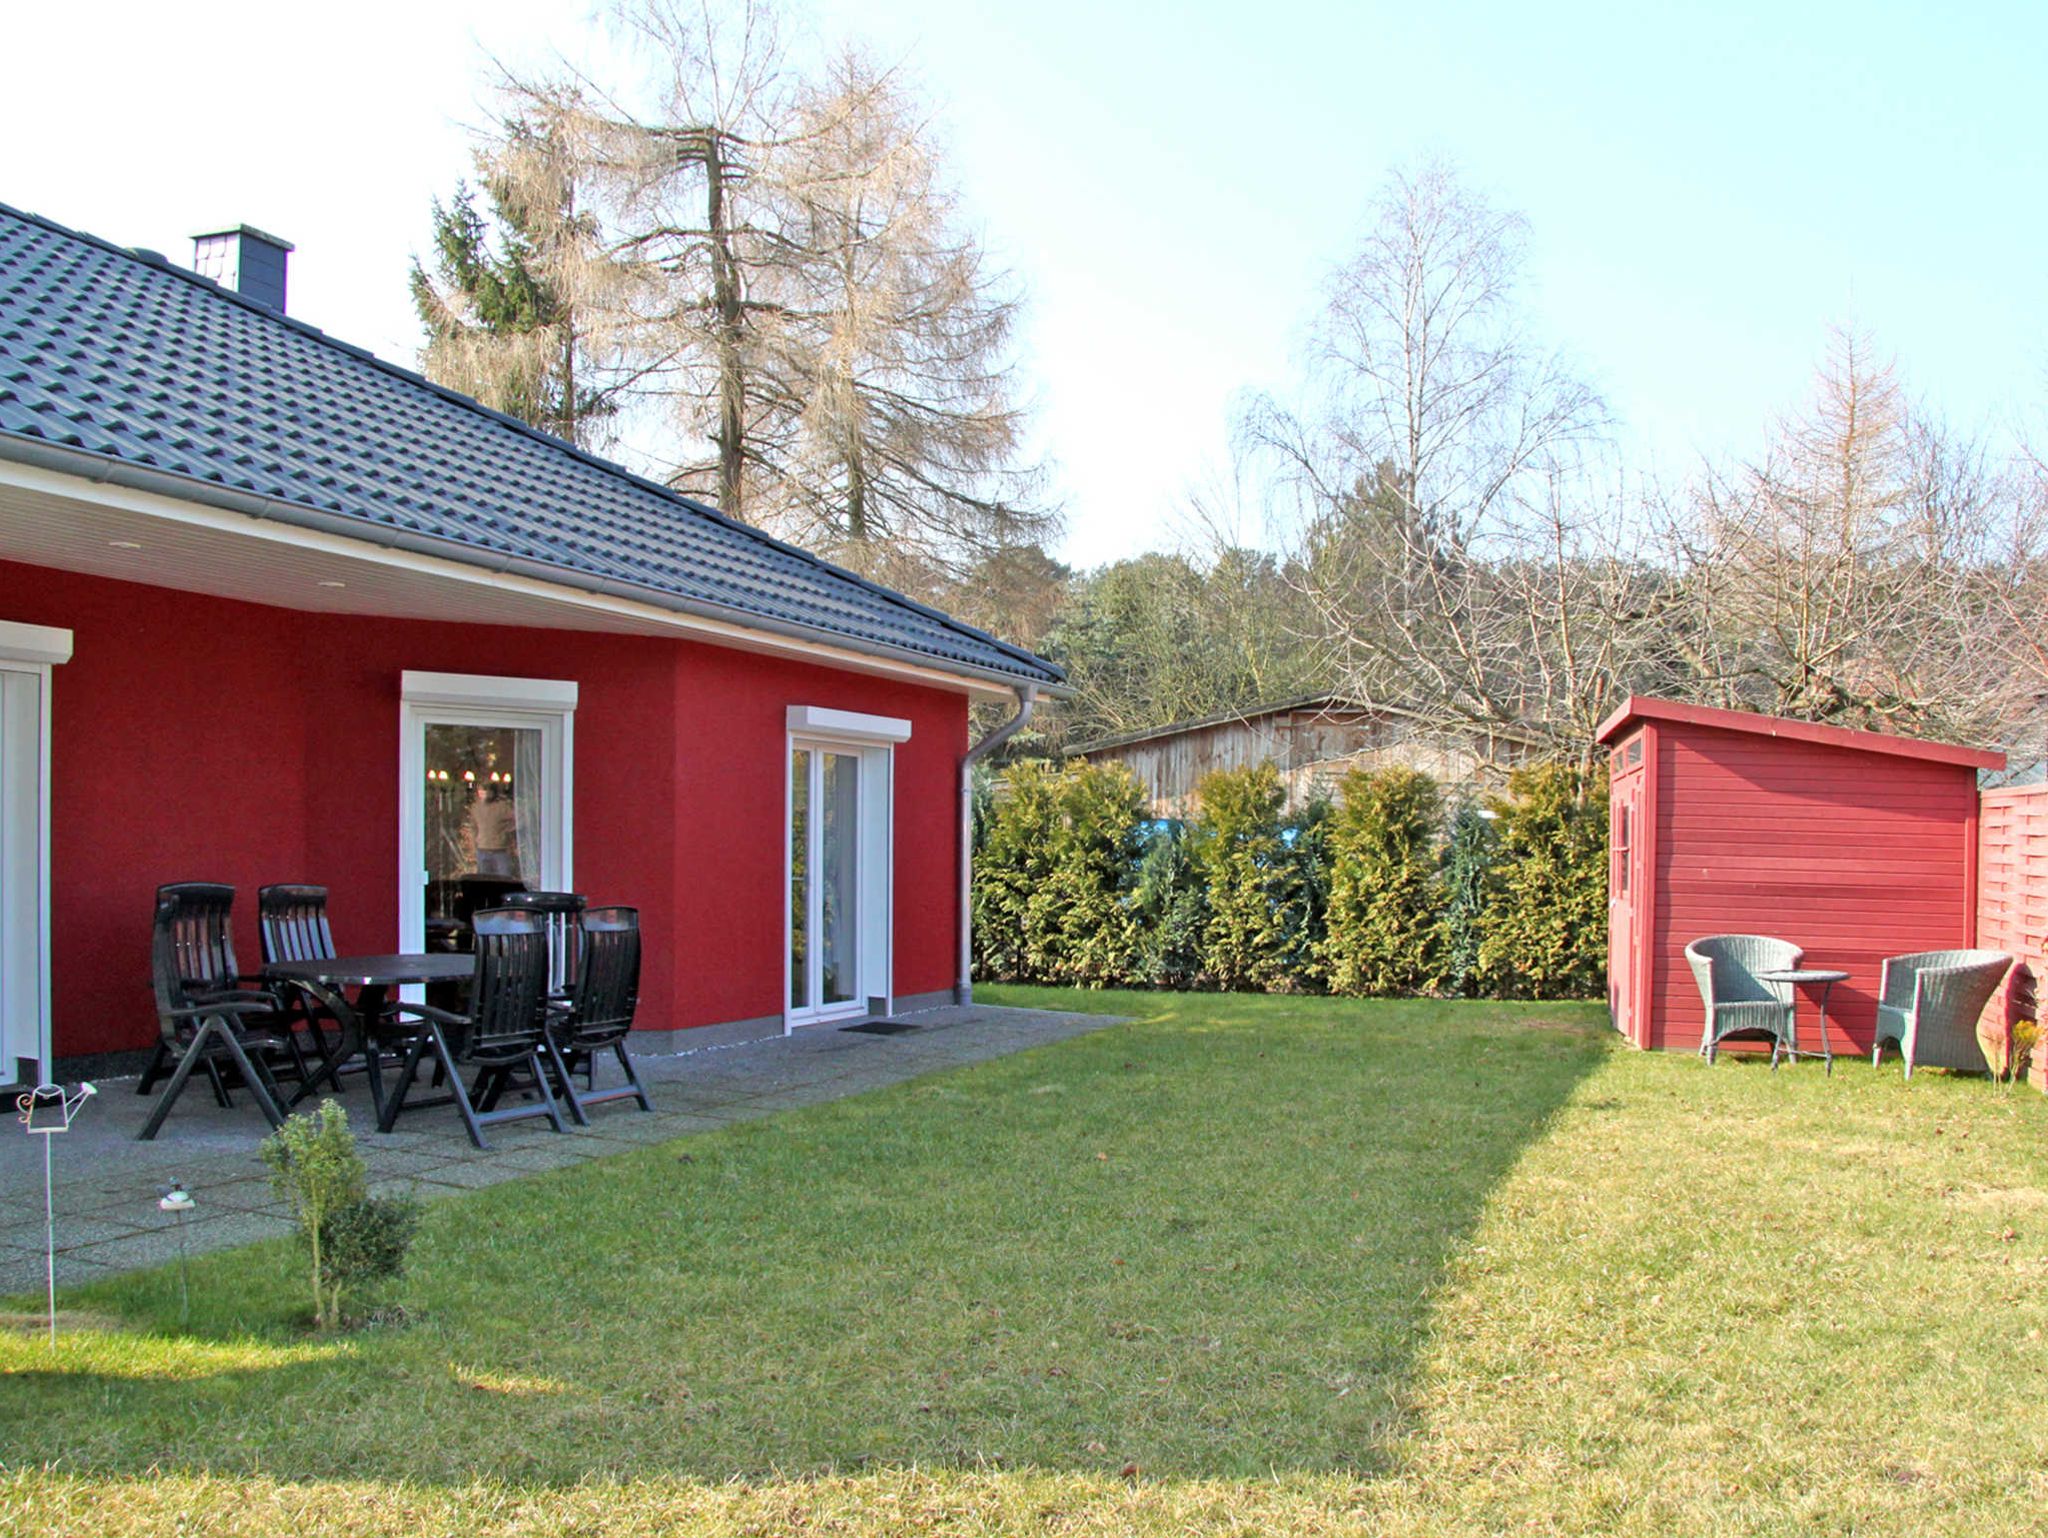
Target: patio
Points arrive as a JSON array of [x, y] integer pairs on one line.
[[107, 1183]]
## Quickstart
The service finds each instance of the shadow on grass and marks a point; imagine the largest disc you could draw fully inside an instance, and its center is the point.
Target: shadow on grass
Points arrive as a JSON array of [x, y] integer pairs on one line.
[[1204, 1242]]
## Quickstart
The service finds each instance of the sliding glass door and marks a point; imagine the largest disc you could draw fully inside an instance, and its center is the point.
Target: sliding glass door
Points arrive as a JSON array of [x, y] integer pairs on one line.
[[825, 919]]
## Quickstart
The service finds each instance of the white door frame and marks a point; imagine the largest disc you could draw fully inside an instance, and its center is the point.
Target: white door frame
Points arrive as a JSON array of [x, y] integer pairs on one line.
[[28, 653], [873, 739], [474, 699]]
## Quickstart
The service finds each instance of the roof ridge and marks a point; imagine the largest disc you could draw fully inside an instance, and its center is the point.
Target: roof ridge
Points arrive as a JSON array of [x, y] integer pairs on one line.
[[1757, 723], [157, 261]]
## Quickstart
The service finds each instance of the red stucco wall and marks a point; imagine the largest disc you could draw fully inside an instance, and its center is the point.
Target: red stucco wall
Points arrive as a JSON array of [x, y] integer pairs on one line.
[[203, 739]]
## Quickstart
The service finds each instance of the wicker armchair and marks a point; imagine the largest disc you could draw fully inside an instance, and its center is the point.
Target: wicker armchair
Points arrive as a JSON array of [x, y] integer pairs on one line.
[[1738, 1002], [1929, 1003]]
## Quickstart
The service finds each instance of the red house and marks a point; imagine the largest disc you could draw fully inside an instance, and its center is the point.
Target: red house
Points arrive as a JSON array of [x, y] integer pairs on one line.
[[1853, 845], [274, 610]]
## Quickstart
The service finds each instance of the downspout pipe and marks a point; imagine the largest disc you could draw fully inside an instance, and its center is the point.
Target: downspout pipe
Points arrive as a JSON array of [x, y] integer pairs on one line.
[[1027, 701]]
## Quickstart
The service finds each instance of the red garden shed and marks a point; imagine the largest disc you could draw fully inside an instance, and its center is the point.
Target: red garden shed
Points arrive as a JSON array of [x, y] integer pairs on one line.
[[1853, 845]]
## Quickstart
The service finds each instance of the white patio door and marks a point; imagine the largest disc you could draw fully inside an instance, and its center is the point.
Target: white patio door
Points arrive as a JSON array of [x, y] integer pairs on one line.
[[838, 862], [824, 883], [27, 654], [485, 800]]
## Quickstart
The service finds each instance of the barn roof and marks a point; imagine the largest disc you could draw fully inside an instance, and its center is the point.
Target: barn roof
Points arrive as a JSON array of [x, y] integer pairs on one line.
[[1648, 708], [1323, 702], [118, 365]]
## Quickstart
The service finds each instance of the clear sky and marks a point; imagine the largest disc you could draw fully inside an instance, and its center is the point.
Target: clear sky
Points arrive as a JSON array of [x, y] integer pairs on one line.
[[1709, 186]]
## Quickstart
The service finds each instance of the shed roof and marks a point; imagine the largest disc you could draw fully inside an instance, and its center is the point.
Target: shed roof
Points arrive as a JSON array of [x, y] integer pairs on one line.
[[1641, 707], [116, 364]]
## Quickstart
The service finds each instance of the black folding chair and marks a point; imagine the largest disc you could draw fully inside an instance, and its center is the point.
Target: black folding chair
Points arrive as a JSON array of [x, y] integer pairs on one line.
[[600, 1011], [291, 923], [563, 914], [206, 1018], [503, 1035]]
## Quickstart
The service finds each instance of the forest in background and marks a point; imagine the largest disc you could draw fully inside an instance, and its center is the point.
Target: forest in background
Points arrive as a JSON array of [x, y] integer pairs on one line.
[[752, 268]]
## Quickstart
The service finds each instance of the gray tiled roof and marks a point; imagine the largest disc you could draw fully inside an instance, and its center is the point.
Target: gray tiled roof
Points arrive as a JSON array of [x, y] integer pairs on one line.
[[120, 355]]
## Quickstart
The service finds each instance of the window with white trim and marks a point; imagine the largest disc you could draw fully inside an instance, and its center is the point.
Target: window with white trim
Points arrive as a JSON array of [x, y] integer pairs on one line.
[[486, 797]]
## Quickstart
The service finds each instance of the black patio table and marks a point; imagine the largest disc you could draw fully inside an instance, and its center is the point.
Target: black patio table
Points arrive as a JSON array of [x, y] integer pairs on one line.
[[373, 978]]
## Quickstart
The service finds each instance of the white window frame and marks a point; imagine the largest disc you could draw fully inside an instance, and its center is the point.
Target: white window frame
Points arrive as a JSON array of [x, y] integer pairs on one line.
[[874, 739], [30, 652], [477, 699]]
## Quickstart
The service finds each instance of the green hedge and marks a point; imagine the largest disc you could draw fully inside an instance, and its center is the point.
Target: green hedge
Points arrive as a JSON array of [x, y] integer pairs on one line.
[[1377, 893]]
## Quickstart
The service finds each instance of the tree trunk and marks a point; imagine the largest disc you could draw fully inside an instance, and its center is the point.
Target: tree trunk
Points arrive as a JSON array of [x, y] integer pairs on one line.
[[725, 297]]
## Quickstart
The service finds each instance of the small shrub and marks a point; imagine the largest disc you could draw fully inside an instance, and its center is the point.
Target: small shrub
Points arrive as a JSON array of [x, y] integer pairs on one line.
[[1385, 929], [366, 1244], [1242, 860], [1544, 934], [2026, 1035], [2008, 1047], [353, 1239]]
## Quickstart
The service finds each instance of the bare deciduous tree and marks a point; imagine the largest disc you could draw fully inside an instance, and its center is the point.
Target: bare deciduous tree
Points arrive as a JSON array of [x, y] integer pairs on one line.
[[676, 168], [807, 301], [521, 307], [1457, 539], [1856, 571], [900, 348]]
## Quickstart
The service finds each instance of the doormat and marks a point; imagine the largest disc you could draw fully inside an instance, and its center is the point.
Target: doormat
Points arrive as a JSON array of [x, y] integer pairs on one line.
[[882, 1027]]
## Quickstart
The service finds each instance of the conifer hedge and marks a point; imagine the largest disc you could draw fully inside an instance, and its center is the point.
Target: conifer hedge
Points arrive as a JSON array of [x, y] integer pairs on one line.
[[1379, 892], [1386, 922]]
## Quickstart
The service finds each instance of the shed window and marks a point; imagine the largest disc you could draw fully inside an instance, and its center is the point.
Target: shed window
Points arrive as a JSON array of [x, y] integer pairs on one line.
[[1622, 827]]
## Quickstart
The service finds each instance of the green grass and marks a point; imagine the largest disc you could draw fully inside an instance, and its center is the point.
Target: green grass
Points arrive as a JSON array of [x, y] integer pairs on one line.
[[1306, 1264]]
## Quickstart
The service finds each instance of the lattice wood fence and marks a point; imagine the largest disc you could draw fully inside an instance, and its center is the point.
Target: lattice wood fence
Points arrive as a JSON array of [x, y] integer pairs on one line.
[[2012, 899]]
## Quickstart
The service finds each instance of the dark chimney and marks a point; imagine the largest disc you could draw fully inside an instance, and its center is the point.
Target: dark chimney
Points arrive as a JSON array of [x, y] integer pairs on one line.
[[245, 260]]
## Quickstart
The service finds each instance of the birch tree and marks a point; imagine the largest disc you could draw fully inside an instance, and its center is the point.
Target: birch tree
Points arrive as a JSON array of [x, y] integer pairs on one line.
[[1466, 557]]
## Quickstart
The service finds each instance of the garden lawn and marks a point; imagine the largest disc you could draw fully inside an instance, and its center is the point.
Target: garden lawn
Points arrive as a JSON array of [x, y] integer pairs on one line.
[[1240, 1264]]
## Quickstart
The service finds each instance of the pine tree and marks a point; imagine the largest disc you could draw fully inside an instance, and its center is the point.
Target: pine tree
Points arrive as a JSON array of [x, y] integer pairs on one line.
[[509, 306]]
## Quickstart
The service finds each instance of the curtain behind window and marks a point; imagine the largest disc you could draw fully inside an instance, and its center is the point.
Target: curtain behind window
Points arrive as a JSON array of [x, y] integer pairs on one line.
[[526, 803]]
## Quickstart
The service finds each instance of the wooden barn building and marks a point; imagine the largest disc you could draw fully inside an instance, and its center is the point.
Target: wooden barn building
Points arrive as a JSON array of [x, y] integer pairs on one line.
[[1852, 845], [1313, 741]]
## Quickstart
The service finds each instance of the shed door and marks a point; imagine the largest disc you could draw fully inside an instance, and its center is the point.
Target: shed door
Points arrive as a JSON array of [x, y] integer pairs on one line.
[[1626, 890]]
